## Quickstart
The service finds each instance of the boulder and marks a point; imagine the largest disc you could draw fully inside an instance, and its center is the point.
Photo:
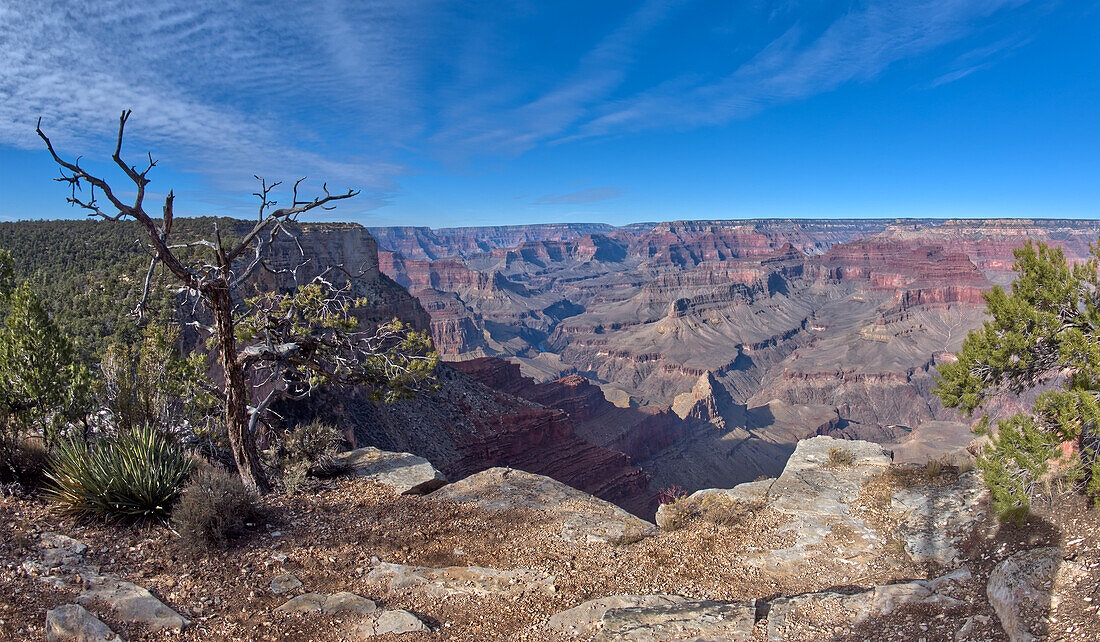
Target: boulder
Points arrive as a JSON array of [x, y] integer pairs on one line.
[[73, 623], [285, 582], [586, 618], [131, 603], [582, 517], [458, 580], [937, 520], [1020, 590], [405, 473], [704, 620], [393, 622]]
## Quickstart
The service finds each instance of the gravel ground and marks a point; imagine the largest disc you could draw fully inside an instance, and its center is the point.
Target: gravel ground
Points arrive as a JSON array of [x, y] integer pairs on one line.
[[330, 534]]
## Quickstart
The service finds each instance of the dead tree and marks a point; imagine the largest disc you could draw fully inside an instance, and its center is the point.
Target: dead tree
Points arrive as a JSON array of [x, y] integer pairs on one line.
[[296, 340]]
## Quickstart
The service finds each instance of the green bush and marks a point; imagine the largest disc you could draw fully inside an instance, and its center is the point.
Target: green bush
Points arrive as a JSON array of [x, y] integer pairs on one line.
[[135, 475], [213, 508], [308, 449]]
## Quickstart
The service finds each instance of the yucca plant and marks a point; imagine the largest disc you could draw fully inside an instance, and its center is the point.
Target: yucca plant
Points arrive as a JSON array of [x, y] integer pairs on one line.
[[135, 475]]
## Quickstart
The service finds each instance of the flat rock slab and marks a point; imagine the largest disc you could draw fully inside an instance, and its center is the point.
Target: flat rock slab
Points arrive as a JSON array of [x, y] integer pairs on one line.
[[583, 518], [393, 622], [405, 473], [706, 620], [1020, 590], [73, 623], [131, 603], [459, 580], [817, 490], [329, 604], [808, 616], [937, 520], [585, 619]]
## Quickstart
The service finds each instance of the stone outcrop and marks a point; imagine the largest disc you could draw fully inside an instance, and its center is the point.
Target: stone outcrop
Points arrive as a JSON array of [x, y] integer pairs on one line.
[[938, 519], [405, 473], [73, 623], [393, 622], [697, 620], [587, 618], [803, 617], [1020, 590], [329, 604], [130, 602], [580, 516], [64, 556]]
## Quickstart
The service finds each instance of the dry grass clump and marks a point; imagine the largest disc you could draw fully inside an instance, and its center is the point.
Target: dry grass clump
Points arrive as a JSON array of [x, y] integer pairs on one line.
[[308, 449], [716, 509], [841, 456], [214, 508]]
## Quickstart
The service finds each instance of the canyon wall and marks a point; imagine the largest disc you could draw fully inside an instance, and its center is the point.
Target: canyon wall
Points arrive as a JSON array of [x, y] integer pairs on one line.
[[797, 327]]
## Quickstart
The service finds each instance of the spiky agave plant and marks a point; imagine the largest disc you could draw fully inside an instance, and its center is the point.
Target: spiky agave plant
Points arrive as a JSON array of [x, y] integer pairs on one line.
[[135, 475]]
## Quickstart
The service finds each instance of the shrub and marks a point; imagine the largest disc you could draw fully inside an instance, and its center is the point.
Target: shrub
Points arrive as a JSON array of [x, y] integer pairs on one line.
[[671, 495], [840, 456], [307, 449], [135, 475], [23, 464], [717, 509], [213, 508], [934, 467]]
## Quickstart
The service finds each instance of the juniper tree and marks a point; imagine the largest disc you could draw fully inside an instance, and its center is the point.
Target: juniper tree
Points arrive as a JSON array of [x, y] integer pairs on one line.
[[42, 387], [1043, 336], [283, 343]]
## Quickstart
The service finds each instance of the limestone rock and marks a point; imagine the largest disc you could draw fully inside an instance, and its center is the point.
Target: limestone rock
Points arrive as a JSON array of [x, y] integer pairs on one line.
[[305, 603], [61, 551], [705, 620], [816, 491], [285, 582], [1020, 591], [802, 617], [336, 603], [131, 602], [395, 622], [459, 580], [938, 519], [72, 623], [584, 619], [583, 518], [345, 602], [405, 473]]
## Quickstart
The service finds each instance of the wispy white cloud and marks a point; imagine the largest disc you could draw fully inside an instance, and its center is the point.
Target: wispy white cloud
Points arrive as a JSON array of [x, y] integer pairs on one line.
[[356, 92], [587, 195], [858, 46]]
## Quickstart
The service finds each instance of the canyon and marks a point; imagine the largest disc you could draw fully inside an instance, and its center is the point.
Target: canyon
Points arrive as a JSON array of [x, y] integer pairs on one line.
[[704, 350]]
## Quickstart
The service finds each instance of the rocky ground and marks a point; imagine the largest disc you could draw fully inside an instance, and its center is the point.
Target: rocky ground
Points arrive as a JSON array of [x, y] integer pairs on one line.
[[843, 546]]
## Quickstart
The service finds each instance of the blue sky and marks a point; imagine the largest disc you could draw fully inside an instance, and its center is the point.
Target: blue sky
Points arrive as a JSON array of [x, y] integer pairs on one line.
[[464, 113]]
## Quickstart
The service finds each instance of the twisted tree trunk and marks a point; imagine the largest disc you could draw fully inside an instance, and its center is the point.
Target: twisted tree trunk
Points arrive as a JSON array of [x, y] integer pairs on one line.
[[241, 441]]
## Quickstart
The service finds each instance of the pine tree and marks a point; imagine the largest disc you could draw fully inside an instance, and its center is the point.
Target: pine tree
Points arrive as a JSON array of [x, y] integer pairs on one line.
[[41, 386], [1044, 335]]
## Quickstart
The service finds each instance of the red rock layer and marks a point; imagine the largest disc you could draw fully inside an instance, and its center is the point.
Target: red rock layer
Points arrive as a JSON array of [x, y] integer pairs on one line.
[[638, 432]]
